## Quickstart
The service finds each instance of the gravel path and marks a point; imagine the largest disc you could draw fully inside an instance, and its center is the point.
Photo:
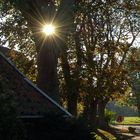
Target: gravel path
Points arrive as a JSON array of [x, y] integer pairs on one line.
[[124, 131], [135, 138]]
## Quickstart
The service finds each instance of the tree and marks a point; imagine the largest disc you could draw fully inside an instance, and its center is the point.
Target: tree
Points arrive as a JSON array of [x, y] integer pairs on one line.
[[13, 17], [38, 13], [94, 66], [134, 73], [15, 34]]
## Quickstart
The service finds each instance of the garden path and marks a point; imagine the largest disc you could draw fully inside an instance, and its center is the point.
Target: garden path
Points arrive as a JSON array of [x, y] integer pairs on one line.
[[123, 129]]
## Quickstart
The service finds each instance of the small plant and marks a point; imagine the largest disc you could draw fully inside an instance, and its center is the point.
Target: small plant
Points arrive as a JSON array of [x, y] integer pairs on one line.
[[110, 116], [131, 129]]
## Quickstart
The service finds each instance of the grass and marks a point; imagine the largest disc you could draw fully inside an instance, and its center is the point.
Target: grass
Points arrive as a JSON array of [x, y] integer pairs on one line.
[[103, 133], [130, 120]]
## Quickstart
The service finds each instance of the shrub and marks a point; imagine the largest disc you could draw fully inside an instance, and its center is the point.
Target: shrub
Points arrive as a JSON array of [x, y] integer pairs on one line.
[[55, 127], [131, 129], [109, 116]]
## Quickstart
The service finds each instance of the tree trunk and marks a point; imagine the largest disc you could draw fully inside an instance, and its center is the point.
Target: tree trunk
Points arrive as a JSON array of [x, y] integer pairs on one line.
[[101, 122], [90, 112], [138, 102], [72, 103], [71, 88], [47, 69], [95, 113]]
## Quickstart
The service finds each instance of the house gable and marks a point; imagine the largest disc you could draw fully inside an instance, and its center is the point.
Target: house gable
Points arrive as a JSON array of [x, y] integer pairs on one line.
[[30, 100]]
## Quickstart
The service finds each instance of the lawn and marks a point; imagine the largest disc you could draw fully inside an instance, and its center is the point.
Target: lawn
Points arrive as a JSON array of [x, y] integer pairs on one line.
[[130, 120], [102, 134]]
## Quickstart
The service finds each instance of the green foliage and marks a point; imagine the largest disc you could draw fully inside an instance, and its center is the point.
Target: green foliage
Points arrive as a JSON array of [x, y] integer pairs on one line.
[[131, 120], [105, 134], [110, 116], [15, 35], [93, 65], [134, 74], [10, 127], [123, 107]]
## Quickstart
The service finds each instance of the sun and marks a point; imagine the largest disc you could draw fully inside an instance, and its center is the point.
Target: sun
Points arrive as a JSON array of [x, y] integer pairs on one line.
[[49, 29]]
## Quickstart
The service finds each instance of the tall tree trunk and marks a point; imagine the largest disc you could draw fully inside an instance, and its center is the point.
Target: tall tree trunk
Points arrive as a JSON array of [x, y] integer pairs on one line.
[[47, 79], [138, 102], [72, 103], [90, 112], [95, 113], [101, 122], [71, 87]]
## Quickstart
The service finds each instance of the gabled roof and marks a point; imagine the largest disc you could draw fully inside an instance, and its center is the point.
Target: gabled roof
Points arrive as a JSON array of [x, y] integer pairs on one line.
[[31, 100]]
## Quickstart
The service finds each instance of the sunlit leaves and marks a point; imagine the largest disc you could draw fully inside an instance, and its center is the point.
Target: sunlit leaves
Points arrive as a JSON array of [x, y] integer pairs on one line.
[[15, 34], [105, 31]]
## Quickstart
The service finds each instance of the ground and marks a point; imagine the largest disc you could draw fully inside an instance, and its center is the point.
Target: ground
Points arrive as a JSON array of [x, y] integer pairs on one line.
[[121, 131], [118, 132], [124, 131]]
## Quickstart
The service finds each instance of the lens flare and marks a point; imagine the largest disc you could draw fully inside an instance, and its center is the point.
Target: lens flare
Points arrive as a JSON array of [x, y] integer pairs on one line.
[[49, 29]]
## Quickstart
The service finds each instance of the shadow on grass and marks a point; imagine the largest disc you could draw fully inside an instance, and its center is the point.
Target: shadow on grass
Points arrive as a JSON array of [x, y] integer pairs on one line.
[[118, 134]]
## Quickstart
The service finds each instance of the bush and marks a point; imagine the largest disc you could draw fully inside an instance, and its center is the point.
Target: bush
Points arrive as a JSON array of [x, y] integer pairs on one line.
[[110, 116], [131, 129], [55, 127]]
